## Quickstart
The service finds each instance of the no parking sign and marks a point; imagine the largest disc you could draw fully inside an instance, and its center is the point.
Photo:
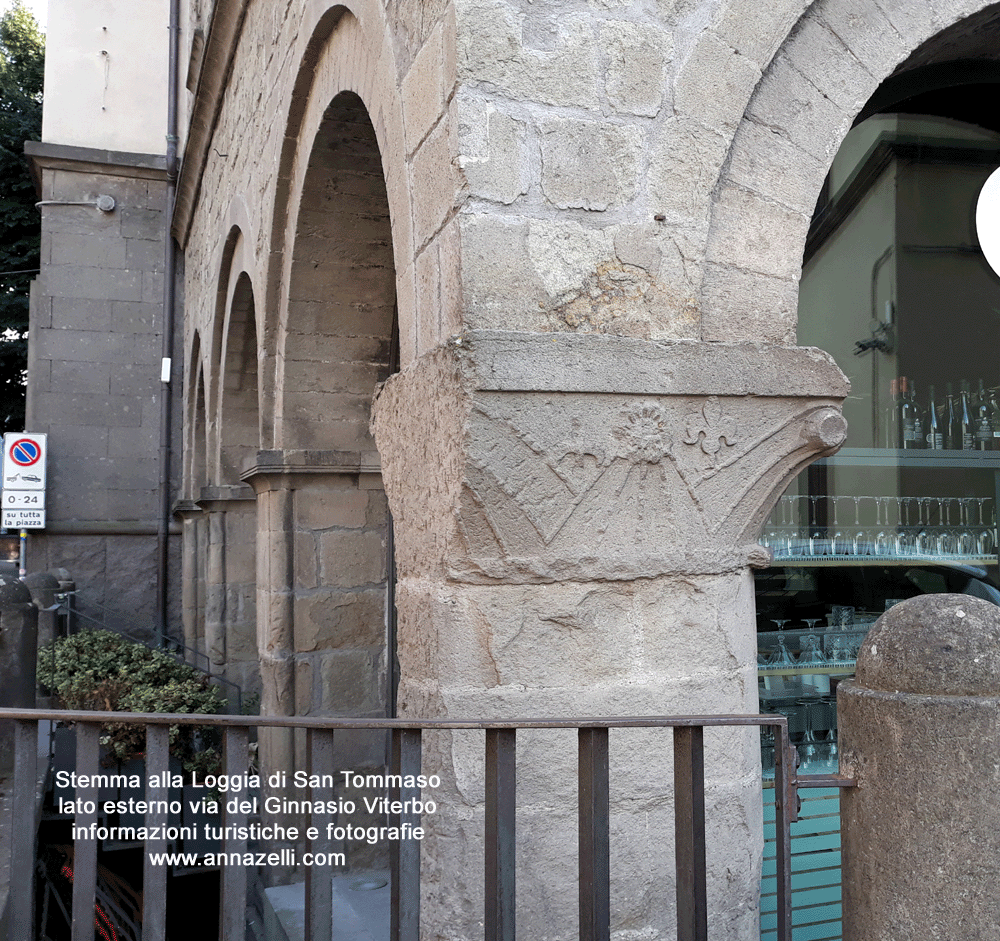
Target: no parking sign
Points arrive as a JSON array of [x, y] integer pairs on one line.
[[23, 461]]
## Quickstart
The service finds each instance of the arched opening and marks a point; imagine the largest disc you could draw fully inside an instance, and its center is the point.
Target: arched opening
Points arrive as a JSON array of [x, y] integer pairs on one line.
[[340, 340], [232, 509], [894, 285]]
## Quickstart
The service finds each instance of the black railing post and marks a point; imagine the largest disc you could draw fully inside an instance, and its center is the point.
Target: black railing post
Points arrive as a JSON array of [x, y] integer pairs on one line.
[[595, 847], [85, 849], [784, 815], [319, 879], [405, 853], [501, 778], [154, 878], [22, 831], [232, 917], [689, 829]]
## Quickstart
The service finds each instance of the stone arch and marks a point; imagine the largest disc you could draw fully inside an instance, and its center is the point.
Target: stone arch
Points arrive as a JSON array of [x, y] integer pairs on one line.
[[810, 93], [348, 53], [341, 218], [195, 450]]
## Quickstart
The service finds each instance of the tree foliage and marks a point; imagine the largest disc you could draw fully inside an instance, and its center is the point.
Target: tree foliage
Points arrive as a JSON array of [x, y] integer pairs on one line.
[[22, 68]]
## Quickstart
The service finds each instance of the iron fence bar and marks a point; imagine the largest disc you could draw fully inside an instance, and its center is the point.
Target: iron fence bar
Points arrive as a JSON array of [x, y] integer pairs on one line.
[[595, 845], [319, 879], [320, 722], [85, 851], [689, 829], [234, 818], [405, 861], [785, 812], [501, 780], [22, 835], [824, 780], [154, 878]]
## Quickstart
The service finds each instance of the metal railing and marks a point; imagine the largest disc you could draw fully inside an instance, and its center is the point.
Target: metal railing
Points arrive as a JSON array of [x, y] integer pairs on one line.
[[501, 784]]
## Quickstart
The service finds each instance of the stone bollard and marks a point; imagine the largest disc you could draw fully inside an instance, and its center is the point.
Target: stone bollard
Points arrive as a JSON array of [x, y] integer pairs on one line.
[[920, 731], [18, 650], [44, 586]]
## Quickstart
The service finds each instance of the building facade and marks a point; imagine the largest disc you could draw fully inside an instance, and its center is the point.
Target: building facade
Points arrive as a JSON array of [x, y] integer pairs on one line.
[[491, 378]]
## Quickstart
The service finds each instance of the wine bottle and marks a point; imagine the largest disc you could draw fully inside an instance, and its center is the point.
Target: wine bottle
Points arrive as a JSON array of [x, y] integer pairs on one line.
[[892, 416], [952, 437], [984, 430], [908, 423], [935, 437], [965, 422], [995, 418]]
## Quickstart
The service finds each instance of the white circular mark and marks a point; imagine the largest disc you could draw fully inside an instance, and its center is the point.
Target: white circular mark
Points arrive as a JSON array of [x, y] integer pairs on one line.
[[988, 219]]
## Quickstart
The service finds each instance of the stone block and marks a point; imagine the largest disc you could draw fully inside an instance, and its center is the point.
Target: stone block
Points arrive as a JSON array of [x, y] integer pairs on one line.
[[758, 235], [589, 165], [350, 558], [339, 620], [715, 84], [145, 254], [306, 560], [821, 56], [423, 89], [101, 411], [88, 251], [914, 20], [766, 162], [145, 224], [152, 287], [329, 508], [74, 313], [501, 288], [748, 307], [101, 284], [135, 317], [637, 63], [129, 442], [494, 155], [435, 182], [134, 379], [427, 269], [684, 168], [787, 101], [350, 683], [81, 442], [141, 505], [561, 69], [69, 376], [758, 37]]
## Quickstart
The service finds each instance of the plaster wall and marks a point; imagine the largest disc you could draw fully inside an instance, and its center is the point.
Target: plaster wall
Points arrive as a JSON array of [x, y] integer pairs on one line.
[[105, 69]]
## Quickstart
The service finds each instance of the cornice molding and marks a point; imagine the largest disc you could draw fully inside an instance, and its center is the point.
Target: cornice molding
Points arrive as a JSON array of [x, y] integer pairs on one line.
[[220, 50]]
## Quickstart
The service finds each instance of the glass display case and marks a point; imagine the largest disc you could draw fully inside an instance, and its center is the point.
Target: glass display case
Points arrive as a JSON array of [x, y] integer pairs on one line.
[[895, 287]]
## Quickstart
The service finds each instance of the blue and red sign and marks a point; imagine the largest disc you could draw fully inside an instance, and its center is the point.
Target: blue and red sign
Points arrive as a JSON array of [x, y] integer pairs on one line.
[[24, 461], [25, 452]]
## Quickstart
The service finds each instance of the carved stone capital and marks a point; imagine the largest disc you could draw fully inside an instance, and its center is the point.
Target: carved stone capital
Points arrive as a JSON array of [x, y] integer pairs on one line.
[[543, 457], [286, 469]]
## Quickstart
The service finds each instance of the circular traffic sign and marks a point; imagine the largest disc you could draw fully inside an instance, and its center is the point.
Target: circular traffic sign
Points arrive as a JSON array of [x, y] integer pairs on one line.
[[24, 452]]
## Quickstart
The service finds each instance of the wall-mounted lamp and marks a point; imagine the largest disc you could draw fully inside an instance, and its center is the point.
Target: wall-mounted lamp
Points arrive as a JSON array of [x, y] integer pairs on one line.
[[104, 203]]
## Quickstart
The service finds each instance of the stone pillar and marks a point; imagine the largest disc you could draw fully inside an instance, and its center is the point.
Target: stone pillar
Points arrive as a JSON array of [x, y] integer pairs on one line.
[[230, 584], [321, 572], [189, 513], [44, 586], [919, 728], [18, 658], [576, 518]]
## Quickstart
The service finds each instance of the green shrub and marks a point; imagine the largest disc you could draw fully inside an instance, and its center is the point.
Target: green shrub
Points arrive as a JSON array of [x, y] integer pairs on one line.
[[100, 670]]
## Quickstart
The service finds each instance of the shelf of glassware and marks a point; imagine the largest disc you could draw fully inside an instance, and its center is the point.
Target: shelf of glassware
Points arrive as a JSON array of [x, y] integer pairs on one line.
[[899, 457], [979, 561]]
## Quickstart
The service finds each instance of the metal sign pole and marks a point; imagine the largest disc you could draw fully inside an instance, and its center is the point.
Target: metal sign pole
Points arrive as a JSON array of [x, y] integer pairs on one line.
[[24, 552]]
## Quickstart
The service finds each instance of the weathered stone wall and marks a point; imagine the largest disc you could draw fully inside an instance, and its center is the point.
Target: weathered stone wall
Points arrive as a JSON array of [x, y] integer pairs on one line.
[[597, 214], [94, 366]]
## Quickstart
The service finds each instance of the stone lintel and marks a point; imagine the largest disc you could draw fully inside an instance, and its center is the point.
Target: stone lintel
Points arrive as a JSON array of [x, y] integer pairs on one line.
[[493, 360], [546, 458], [186, 509], [231, 493], [279, 469], [46, 156]]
